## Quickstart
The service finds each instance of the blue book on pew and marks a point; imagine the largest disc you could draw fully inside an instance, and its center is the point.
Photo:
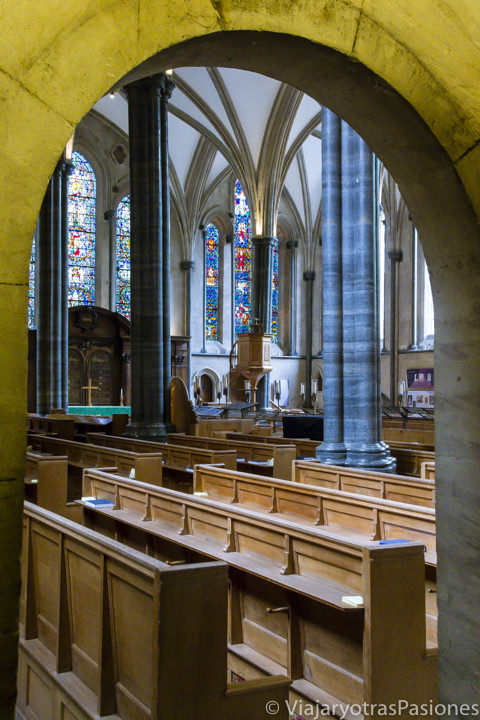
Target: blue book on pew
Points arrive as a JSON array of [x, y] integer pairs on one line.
[[393, 542], [99, 503]]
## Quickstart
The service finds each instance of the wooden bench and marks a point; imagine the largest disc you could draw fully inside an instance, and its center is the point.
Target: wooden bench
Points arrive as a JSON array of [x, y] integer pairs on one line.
[[175, 456], [400, 488], [342, 512], [259, 457], [427, 471], [108, 631], [146, 467], [60, 427], [289, 585], [47, 484]]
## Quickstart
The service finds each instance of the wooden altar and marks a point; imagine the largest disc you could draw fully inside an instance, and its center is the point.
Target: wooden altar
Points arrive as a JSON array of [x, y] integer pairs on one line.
[[99, 350]]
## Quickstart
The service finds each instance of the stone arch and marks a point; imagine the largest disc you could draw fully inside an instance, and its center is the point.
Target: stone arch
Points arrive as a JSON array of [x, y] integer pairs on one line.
[[419, 114]]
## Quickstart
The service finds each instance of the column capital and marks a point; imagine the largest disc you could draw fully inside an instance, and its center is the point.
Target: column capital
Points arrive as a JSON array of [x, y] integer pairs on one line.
[[187, 264], [292, 244], [309, 275], [395, 255], [159, 81], [266, 241]]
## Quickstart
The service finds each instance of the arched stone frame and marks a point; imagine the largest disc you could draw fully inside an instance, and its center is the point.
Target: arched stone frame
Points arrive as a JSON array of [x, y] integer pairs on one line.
[[214, 377], [420, 161], [287, 300]]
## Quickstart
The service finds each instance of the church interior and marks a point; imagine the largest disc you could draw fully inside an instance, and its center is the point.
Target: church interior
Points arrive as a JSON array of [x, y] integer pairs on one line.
[[240, 393]]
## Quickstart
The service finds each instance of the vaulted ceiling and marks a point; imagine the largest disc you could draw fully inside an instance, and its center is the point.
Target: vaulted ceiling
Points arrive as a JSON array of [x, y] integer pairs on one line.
[[268, 133]]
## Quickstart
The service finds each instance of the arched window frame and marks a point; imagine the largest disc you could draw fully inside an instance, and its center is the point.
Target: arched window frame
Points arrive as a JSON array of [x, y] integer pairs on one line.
[[242, 261], [211, 276], [82, 214], [32, 287], [123, 258]]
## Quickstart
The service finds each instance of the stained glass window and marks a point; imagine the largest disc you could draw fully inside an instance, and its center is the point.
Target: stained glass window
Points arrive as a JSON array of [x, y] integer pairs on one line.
[[211, 282], [81, 232], [31, 288], [242, 261], [275, 293], [122, 274]]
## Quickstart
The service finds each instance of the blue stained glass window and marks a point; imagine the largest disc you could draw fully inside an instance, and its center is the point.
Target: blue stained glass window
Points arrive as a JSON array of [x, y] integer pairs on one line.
[[122, 244], [82, 195], [242, 264], [211, 281], [31, 288], [275, 293]]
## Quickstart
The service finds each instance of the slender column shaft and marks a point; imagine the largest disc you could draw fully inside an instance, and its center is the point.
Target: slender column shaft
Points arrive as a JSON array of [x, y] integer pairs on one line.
[[262, 298], [146, 195], [395, 256], [367, 449], [292, 245], [332, 450], [64, 286], [309, 278], [187, 266], [52, 348], [168, 87], [349, 190]]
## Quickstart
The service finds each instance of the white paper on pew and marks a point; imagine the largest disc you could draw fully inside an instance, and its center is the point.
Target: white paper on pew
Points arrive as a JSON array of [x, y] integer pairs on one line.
[[353, 600], [132, 474]]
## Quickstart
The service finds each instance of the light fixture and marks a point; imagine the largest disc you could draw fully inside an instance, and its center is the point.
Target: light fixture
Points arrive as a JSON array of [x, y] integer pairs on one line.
[[169, 71], [112, 95]]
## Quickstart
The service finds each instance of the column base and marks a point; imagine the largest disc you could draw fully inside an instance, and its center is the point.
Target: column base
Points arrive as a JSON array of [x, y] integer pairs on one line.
[[371, 456], [149, 431], [331, 453]]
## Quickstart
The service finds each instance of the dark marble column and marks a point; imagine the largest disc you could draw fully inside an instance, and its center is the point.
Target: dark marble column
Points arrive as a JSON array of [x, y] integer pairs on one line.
[[367, 449], [332, 450], [395, 257], [187, 266], [262, 299], [167, 89], [147, 276], [52, 349], [67, 170], [309, 277], [349, 203], [292, 245]]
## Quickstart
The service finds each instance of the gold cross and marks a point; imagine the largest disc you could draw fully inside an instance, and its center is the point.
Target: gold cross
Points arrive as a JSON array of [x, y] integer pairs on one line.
[[89, 387]]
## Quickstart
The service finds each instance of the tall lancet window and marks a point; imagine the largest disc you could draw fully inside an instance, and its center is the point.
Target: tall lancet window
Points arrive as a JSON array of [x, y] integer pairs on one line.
[[242, 263], [275, 292], [122, 254], [31, 288], [211, 282], [82, 196]]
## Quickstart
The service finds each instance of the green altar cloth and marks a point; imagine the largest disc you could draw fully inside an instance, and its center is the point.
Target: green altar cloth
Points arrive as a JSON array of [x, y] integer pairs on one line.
[[102, 410]]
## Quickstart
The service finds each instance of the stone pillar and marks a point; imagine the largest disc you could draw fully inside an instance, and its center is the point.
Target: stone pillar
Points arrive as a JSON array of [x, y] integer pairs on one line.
[[349, 209], [366, 449], [309, 277], [332, 450], [187, 266], [167, 88], [67, 170], [147, 276], [262, 299], [395, 257], [292, 245], [52, 328]]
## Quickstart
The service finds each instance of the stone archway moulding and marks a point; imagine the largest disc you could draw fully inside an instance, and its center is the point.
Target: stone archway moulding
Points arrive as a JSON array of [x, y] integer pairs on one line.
[[56, 64]]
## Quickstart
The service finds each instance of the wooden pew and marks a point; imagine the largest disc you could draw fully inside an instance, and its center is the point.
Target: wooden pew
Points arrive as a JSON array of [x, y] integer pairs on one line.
[[400, 488], [146, 467], [288, 590], [205, 426], [47, 484], [259, 457], [60, 427], [427, 471], [409, 455], [175, 456], [108, 631], [340, 512]]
